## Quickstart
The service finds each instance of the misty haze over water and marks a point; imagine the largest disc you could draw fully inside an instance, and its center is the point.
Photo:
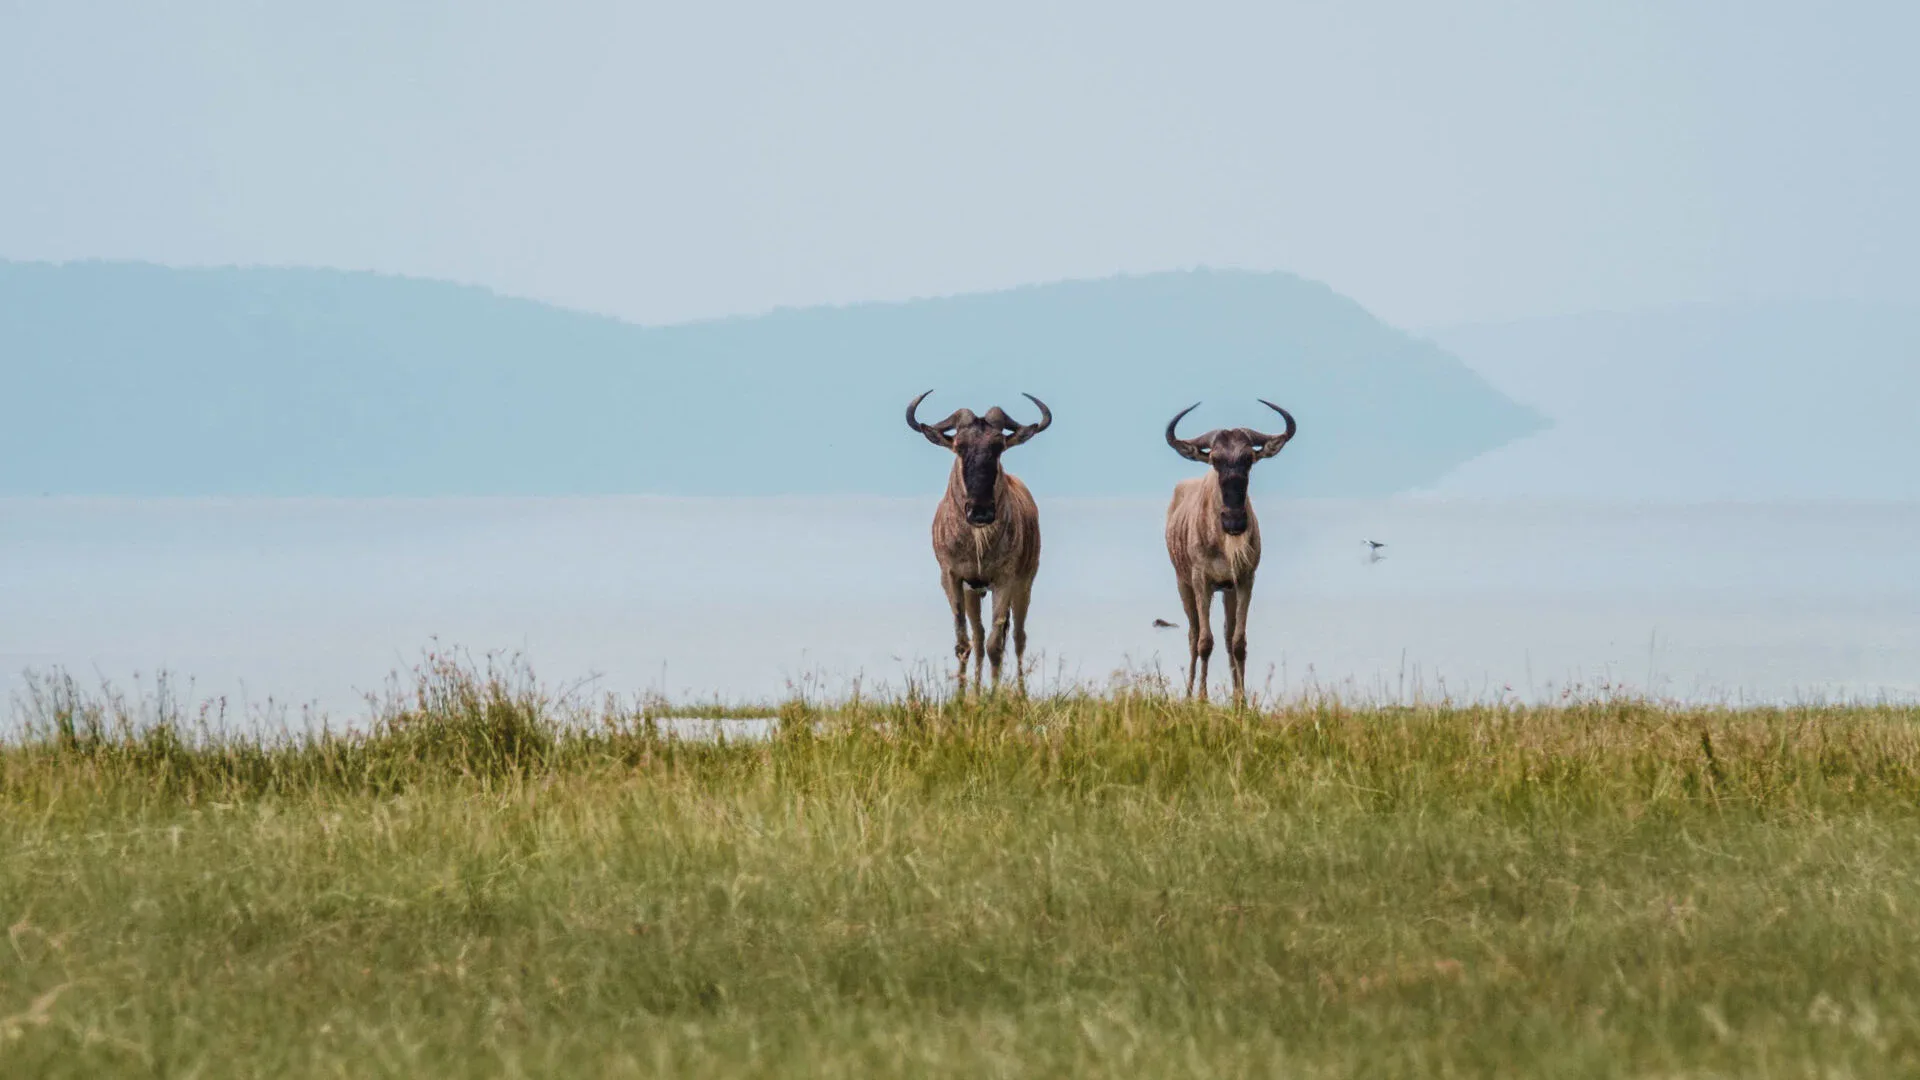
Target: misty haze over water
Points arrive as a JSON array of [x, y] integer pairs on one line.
[[565, 241], [316, 601]]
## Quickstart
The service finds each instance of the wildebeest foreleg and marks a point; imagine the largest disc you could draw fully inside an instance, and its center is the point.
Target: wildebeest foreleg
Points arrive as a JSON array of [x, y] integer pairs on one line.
[[1022, 593], [997, 643], [1192, 609], [1203, 640], [1239, 600], [957, 600], [979, 635]]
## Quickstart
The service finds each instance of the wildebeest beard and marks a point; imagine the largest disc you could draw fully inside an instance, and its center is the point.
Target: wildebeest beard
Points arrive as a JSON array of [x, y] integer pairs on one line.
[[980, 473]]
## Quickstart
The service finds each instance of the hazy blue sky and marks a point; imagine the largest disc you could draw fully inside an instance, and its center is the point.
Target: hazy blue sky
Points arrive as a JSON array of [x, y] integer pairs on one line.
[[1438, 162]]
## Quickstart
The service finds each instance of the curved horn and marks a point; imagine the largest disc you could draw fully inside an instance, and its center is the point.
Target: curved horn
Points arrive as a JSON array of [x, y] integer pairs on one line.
[[1190, 450], [932, 432], [1027, 431], [1271, 444]]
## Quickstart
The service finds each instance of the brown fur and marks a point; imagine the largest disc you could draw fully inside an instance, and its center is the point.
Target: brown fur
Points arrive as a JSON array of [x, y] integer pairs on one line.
[[1213, 539], [986, 533], [1205, 561], [1004, 555]]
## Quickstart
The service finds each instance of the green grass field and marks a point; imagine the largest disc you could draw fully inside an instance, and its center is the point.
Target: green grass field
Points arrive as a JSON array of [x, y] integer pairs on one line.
[[488, 884]]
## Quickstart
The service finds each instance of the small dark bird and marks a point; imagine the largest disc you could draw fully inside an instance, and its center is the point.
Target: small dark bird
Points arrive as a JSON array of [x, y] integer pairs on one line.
[[1162, 624], [1373, 550], [1374, 545]]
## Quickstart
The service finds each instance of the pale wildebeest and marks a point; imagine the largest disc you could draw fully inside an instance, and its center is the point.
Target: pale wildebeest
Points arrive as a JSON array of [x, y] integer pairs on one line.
[[986, 533], [1214, 539]]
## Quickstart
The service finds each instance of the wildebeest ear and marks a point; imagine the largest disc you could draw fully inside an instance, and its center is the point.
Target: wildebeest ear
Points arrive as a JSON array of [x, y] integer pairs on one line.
[[1268, 447], [1191, 449], [1197, 448], [1023, 432], [935, 433], [1271, 444]]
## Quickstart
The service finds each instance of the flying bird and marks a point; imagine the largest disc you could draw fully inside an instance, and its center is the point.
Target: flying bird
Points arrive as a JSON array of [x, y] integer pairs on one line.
[[1374, 545], [1373, 550], [1162, 624]]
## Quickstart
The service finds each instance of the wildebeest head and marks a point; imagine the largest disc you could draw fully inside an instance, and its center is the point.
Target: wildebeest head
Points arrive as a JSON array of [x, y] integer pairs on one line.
[[1231, 452], [979, 441]]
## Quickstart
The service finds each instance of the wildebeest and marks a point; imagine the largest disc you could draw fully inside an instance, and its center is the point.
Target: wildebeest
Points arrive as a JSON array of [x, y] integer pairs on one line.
[[1213, 538], [986, 533]]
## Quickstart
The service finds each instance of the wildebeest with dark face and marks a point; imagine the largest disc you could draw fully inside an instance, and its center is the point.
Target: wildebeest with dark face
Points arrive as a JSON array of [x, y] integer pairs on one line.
[[986, 532], [1213, 538]]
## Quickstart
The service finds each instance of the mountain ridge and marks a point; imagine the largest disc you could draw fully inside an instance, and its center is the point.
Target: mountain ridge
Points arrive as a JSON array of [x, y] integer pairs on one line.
[[305, 381]]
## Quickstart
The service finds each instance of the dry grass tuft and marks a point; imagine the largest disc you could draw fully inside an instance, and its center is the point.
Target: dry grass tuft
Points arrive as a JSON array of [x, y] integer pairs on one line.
[[492, 878]]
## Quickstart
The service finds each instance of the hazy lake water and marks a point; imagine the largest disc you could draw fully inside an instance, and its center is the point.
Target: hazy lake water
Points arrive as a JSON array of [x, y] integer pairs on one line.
[[315, 601]]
